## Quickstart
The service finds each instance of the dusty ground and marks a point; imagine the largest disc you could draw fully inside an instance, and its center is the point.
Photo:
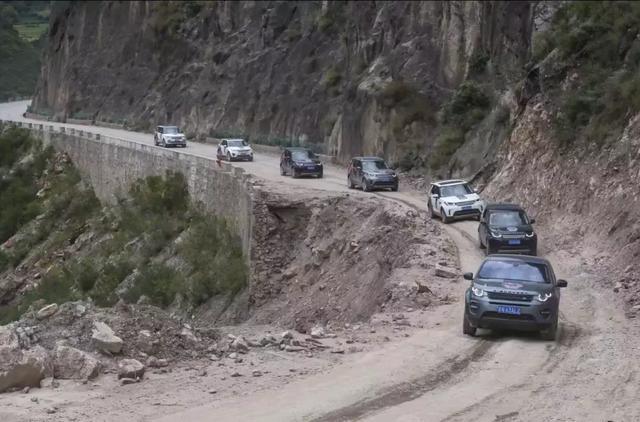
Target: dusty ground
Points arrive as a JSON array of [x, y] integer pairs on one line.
[[426, 372]]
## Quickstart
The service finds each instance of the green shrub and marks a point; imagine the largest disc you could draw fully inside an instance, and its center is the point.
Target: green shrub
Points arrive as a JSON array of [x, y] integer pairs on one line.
[[447, 143], [478, 62], [4, 261], [468, 105], [332, 78], [159, 282], [394, 92]]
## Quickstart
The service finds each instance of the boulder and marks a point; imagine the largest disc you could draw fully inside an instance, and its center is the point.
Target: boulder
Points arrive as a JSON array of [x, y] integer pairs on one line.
[[130, 368], [47, 311], [239, 345], [317, 331], [105, 339], [21, 368], [71, 363], [445, 273]]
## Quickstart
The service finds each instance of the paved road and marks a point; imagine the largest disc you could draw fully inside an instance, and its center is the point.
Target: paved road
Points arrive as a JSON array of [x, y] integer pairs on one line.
[[589, 374]]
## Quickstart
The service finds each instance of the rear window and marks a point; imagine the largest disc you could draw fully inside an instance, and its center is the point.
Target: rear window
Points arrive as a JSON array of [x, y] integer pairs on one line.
[[514, 270]]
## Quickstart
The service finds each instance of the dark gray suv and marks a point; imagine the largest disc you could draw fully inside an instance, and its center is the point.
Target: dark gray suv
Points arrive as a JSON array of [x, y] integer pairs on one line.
[[513, 292]]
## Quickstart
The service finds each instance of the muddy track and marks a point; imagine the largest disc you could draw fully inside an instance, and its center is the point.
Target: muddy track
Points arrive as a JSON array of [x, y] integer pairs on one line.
[[409, 390]]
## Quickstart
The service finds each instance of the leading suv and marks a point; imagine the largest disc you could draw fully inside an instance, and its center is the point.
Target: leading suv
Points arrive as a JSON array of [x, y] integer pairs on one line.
[[506, 228], [454, 199], [369, 173], [300, 162], [513, 292], [169, 136]]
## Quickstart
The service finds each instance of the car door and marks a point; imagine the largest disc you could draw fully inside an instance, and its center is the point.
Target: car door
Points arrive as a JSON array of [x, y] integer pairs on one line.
[[434, 197], [357, 172]]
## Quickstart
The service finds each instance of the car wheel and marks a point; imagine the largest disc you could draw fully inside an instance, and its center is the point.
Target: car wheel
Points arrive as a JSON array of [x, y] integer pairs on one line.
[[282, 172], [445, 219], [320, 175], [250, 158], [482, 245], [467, 328], [534, 252], [550, 333], [364, 185], [294, 173], [164, 143], [432, 214], [228, 156], [350, 183], [394, 189]]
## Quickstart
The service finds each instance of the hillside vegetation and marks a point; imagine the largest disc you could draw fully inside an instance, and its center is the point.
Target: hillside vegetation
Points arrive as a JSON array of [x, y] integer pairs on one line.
[[154, 243]]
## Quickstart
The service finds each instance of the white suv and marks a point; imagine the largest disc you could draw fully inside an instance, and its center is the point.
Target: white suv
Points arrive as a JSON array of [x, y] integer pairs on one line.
[[169, 136], [454, 199], [234, 149]]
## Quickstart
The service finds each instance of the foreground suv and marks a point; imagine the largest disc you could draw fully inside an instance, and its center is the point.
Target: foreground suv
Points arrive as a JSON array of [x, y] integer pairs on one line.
[[369, 173], [513, 292], [506, 228], [169, 136], [300, 162], [454, 199]]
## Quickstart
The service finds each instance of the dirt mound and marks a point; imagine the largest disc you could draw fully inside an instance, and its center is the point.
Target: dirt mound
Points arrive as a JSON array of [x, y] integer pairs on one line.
[[343, 258]]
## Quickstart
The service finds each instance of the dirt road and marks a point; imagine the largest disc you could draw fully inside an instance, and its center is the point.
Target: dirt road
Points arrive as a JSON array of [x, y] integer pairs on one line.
[[589, 374]]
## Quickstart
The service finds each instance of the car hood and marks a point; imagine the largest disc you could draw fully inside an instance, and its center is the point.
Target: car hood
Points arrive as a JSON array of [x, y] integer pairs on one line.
[[512, 286], [239, 149], [461, 198], [174, 135], [523, 228]]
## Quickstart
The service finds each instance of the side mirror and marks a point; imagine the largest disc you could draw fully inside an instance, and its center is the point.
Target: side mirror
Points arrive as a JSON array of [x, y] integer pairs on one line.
[[532, 220], [561, 283], [469, 276]]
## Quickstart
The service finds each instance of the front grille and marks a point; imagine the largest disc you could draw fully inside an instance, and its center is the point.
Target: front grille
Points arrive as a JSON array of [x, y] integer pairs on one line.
[[496, 315], [512, 297], [465, 203], [513, 236], [466, 212]]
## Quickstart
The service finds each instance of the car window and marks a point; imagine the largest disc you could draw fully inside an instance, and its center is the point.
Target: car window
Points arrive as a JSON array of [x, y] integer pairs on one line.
[[455, 190], [435, 190], [303, 155], [514, 270], [507, 218], [236, 143], [374, 165], [224, 143], [171, 130]]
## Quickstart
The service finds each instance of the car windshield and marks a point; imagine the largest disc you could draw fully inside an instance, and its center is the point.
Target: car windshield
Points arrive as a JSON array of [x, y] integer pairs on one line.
[[507, 218], [514, 270], [455, 190], [302, 155], [236, 143], [171, 130], [374, 165]]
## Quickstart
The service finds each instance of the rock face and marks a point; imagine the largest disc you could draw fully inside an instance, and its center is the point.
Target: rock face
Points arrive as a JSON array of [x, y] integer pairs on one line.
[[71, 363], [351, 76], [21, 368], [104, 338]]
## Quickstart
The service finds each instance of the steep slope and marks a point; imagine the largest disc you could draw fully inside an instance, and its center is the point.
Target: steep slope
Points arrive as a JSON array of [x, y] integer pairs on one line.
[[345, 77]]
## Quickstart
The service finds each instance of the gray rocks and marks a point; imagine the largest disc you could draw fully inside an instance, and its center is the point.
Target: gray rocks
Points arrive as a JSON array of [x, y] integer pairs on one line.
[[445, 273], [21, 368], [47, 311], [130, 368], [71, 363], [104, 339], [317, 332], [239, 344]]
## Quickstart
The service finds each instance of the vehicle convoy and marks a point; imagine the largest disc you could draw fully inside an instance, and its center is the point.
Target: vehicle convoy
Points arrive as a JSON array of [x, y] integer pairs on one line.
[[506, 228], [513, 292], [454, 199], [300, 162], [169, 136], [369, 173], [234, 149]]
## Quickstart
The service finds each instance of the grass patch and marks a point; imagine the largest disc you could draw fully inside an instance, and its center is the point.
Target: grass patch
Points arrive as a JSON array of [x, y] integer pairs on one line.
[[31, 31]]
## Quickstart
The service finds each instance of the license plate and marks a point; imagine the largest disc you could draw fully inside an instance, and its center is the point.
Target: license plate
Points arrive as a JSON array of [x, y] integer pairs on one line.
[[466, 207], [514, 241], [511, 310], [311, 167]]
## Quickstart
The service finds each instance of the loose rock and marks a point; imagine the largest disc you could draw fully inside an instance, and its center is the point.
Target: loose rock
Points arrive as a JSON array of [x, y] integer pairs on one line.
[[71, 363], [47, 311], [130, 368], [105, 339]]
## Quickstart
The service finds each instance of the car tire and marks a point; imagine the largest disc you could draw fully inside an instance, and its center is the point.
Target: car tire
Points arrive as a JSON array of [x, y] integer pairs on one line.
[[432, 214], [445, 219], [482, 245], [320, 175], [467, 328], [294, 174], [250, 158], [364, 186], [394, 189], [229, 156], [282, 172], [550, 334], [164, 143], [350, 184]]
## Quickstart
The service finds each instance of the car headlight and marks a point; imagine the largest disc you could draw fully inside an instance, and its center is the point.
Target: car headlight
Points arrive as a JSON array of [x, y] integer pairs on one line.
[[478, 292], [543, 297], [496, 235], [530, 234], [447, 203]]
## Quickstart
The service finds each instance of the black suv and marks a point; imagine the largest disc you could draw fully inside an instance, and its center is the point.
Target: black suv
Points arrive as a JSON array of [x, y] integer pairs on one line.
[[369, 173], [300, 162], [506, 228]]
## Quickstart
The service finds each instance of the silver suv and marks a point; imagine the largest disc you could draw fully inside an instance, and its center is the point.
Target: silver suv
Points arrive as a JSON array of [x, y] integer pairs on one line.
[[169, 136], [513, 292]]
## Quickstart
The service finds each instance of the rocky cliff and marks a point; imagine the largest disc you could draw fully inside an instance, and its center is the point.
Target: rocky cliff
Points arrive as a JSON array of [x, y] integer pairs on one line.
[[344, 77]]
